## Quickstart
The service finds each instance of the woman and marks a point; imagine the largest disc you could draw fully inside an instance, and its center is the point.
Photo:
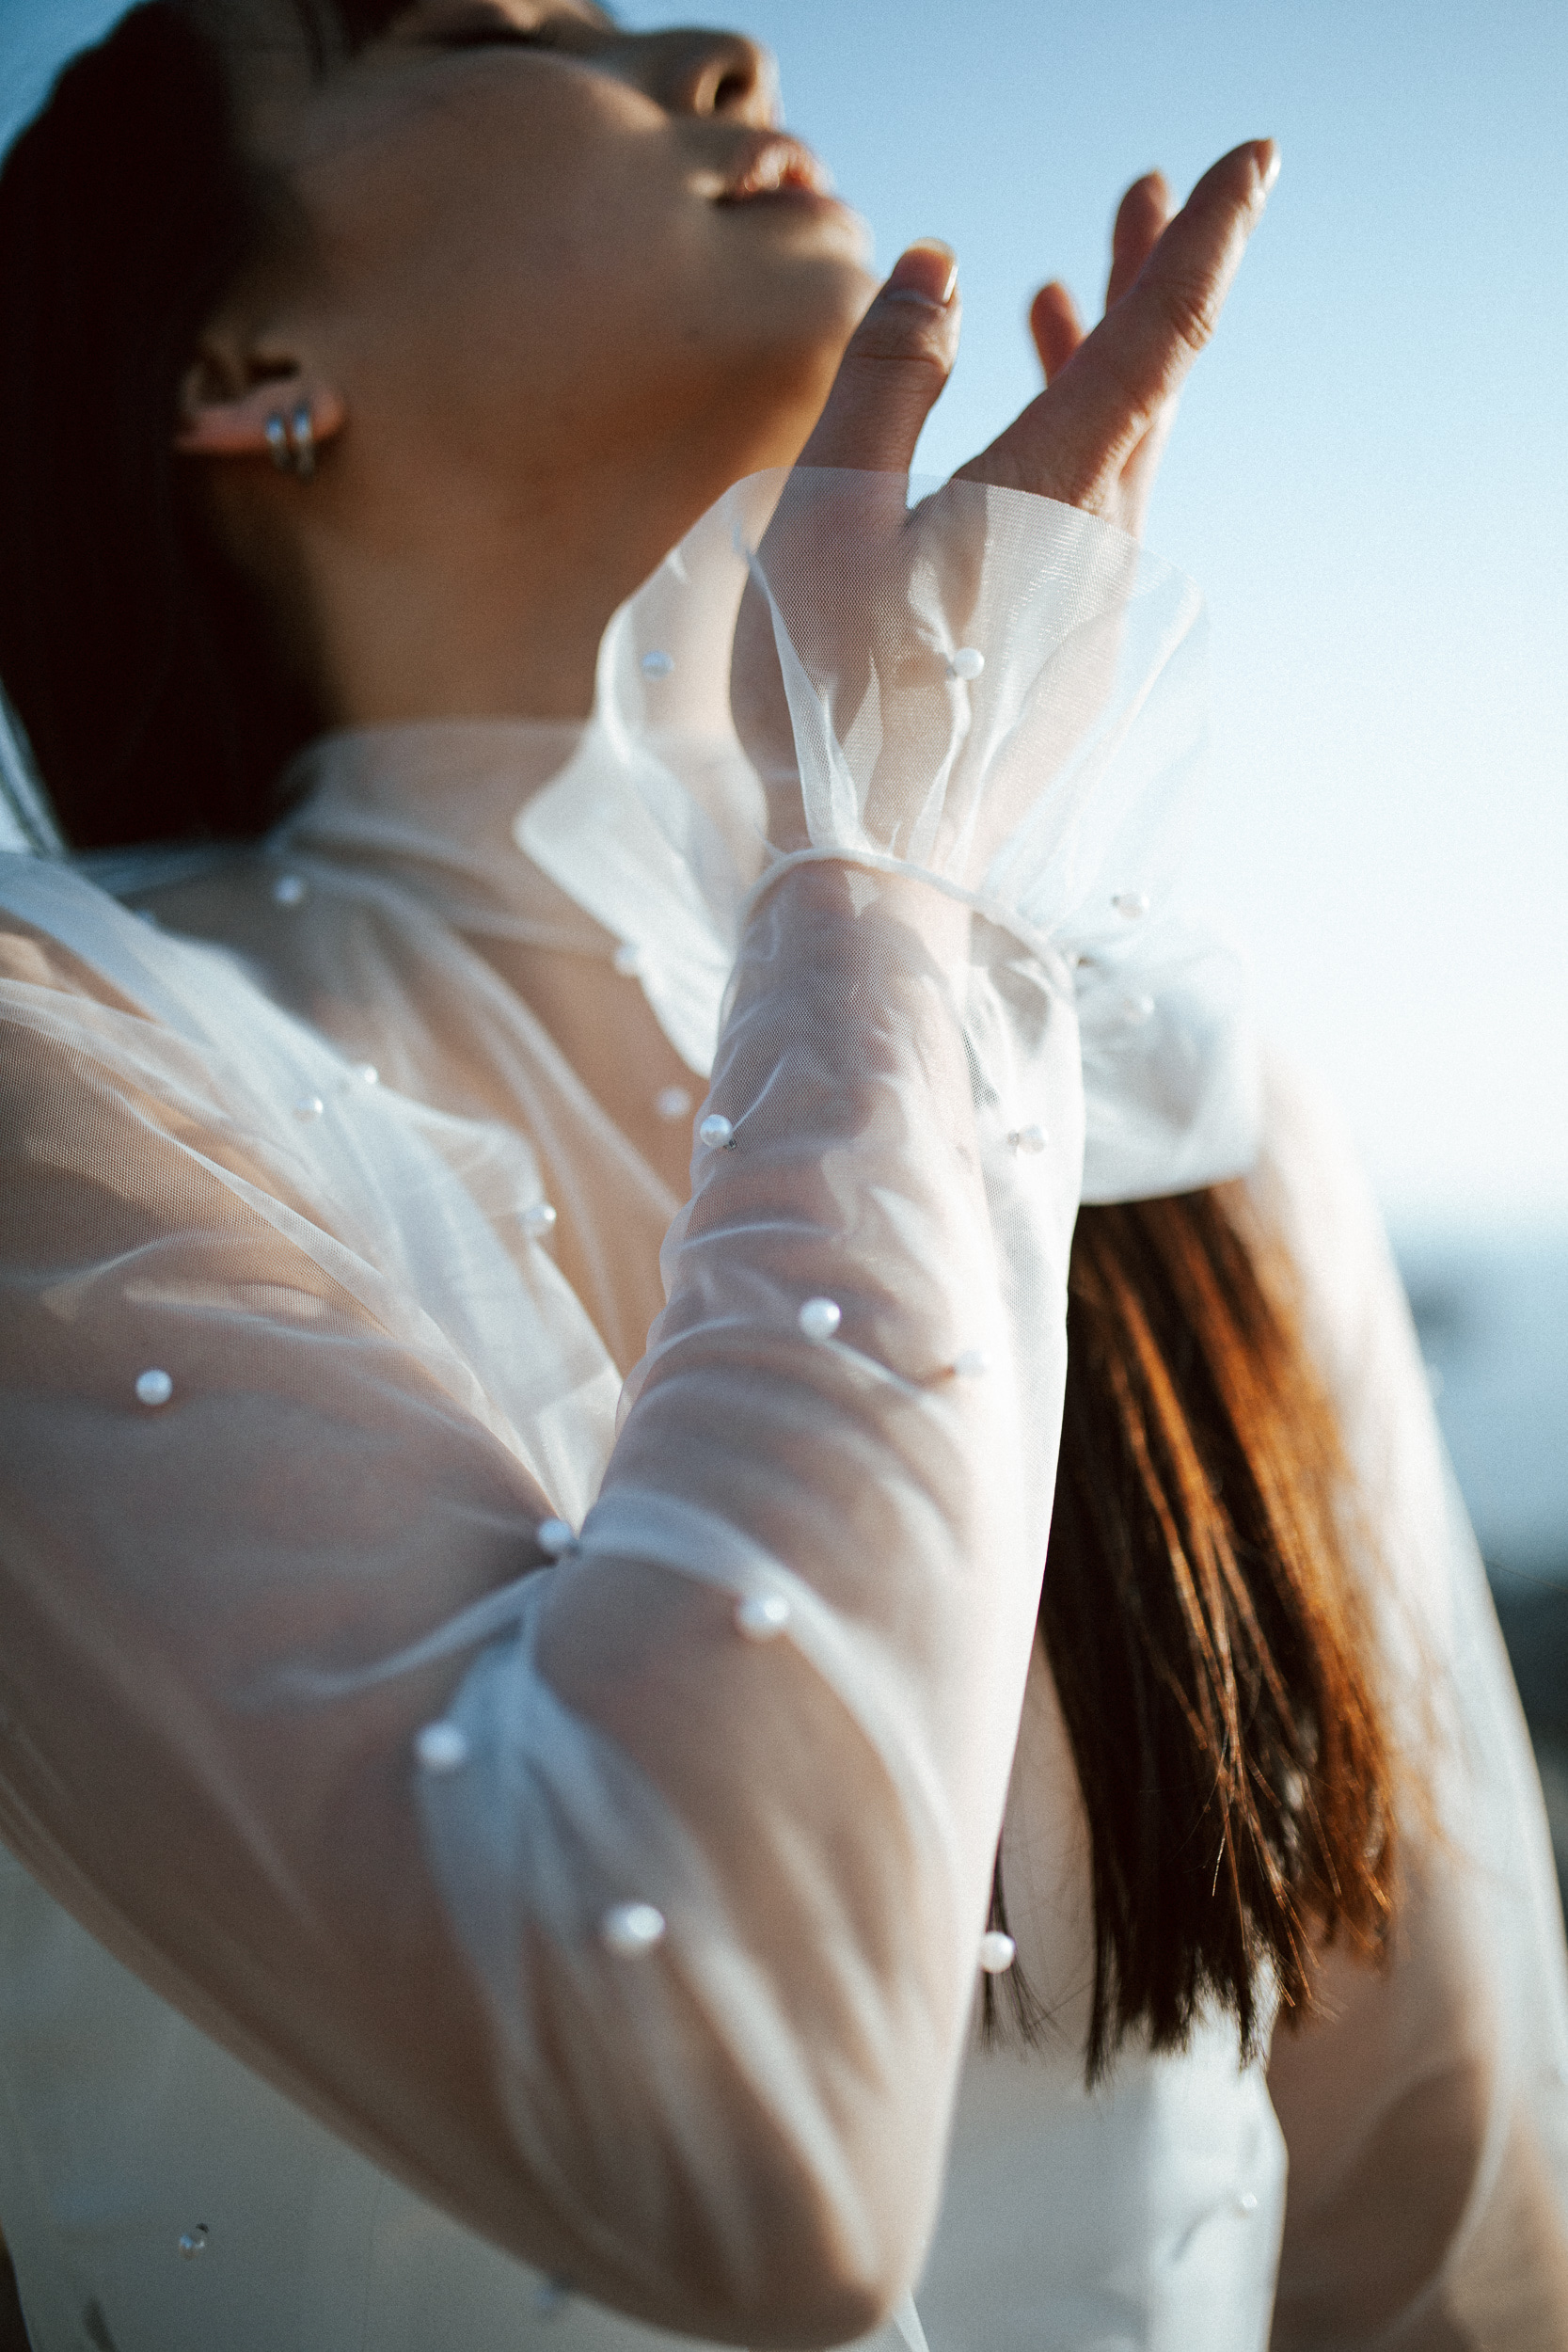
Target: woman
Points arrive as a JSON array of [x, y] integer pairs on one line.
[[608, 1908]]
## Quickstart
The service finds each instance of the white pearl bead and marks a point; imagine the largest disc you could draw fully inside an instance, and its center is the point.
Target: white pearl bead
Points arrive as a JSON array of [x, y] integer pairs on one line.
[[366, 1074], [967, 662], [154, 1388], [1136, 1011], [554, 1536], [442, 1748], [1131, 903], [1246, 2205], [628, 959], [997, 1953], [1029, 1139], [970, 1364], [193, 2242], [288, 890], [762, 1617], [717, 1132], [819, 1318], [672, 1103], [538, 1217], [657, 664], [628, 1929], [309, 1106]]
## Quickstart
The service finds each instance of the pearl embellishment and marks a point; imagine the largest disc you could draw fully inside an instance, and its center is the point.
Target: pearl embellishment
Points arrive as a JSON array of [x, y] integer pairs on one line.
[[997, 1953], [154, 1388], [967, 662], [194, 2242], [657, 664], [716, 1132], [1131, 903], [288, 890], [554, 1536], [1136, 1011], [442, 1748], [970, 1364], [629, 1928], [1028, 1140], [366, 1074], [309, 1106], [762, 1617], [1246, 2205], [819, 1318], [538, 1217], [672, 1103]]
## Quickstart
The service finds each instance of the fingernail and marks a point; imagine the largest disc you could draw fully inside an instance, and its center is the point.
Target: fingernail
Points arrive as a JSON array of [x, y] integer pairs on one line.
[[926, 271], [1268, 162]]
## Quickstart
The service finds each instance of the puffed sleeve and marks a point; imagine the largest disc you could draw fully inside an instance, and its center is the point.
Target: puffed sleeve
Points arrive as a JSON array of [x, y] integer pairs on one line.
[[1426, 2112], [622, 1888]]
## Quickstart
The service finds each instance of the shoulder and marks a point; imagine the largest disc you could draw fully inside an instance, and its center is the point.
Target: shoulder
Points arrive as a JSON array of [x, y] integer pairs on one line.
[[1313, 1191], [1314, 1194]]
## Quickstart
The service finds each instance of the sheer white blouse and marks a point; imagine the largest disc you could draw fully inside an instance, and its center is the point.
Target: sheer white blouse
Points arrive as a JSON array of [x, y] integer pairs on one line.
[[515, 1663]]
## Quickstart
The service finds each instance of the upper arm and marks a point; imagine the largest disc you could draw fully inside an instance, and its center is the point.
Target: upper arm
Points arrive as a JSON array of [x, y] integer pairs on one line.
[[1424, 2107]]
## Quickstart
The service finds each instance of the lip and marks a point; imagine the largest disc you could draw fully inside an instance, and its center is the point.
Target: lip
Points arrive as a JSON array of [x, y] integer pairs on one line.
[[774, 165]]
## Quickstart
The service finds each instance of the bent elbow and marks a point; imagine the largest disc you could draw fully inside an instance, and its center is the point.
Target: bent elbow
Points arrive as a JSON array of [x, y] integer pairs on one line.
[[764, 2249], [819, 2280]]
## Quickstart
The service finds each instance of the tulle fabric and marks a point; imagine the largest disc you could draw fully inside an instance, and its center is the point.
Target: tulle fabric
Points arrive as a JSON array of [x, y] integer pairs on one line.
[[1044, 681], [883, 920]]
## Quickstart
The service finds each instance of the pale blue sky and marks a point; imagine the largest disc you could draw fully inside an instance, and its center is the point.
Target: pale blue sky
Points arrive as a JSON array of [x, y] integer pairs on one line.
[[1369, 478]]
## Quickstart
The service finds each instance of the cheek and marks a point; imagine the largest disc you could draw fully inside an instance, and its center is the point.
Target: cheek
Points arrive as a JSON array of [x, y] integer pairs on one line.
[[547, 251]]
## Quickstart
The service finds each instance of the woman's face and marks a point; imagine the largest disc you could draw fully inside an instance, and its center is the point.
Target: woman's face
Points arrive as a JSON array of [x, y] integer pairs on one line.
[[539, 242]]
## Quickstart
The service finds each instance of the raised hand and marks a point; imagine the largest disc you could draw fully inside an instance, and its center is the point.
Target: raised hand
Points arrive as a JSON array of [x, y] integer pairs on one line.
[[1093, 437], [850, 591]]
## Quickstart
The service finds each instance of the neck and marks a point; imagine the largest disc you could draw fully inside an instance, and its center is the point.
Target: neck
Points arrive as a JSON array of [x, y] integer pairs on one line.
[[455, 602]]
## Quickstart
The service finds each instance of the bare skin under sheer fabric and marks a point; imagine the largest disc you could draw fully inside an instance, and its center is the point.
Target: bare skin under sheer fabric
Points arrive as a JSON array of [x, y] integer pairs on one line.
[[291, 1147]]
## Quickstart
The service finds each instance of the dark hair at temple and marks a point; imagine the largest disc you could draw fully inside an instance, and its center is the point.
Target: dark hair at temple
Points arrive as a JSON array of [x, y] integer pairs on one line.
[[142, 667], [1199, 1607]]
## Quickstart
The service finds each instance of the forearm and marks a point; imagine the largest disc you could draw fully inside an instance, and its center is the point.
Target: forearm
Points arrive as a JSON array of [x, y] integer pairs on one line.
[[821, 1810]]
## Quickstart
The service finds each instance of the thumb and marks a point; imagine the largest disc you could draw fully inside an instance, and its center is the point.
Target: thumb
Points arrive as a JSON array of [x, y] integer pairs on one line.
[[898, 359]]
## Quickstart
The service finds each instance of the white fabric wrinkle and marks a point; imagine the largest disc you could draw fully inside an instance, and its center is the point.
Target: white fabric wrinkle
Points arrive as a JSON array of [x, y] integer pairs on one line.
[[1086, 723]]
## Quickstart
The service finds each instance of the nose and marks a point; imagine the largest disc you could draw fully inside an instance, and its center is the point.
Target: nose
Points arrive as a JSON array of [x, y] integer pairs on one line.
[[695, 71]]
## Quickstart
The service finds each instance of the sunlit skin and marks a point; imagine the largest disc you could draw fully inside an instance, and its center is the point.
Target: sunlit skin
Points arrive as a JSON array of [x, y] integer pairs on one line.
[[559, 286]]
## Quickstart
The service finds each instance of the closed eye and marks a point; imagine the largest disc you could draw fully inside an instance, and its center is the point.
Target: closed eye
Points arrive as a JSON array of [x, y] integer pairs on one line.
[[557, 29], [484, 34]]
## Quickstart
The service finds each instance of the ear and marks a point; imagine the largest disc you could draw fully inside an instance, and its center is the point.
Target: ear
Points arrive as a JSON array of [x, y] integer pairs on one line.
[[231, 407]]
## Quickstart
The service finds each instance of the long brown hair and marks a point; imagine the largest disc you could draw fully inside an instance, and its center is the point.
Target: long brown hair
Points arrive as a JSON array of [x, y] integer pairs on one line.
[[1203, 1619]]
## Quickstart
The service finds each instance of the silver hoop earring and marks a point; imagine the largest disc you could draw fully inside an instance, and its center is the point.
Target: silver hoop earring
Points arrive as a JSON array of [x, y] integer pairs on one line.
[[303, 433], [293, 443]]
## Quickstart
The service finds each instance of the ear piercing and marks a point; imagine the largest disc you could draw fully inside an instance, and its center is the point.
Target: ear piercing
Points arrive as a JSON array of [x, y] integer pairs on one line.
[[293, 443]]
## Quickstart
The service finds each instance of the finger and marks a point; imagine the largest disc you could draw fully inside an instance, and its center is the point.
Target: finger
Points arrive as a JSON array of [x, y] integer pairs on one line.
[[898, 359], [1054, 324], [1141, 218], [1142, 350], [1071, 442]]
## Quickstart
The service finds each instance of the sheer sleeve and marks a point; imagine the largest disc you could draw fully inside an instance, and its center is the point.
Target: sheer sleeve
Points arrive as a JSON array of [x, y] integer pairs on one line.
[[622, 1889], [1426, 2115]]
